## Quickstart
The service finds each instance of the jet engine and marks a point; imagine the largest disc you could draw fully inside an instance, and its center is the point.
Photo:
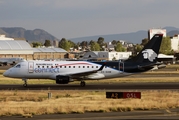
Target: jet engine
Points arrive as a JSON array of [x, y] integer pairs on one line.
[[95, 76], [62, 79]]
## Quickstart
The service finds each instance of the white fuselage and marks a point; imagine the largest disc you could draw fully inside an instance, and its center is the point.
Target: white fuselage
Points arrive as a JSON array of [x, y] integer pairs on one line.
[[50, 69]]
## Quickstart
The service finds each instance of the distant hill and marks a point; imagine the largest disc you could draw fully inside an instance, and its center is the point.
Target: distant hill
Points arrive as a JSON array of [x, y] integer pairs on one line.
[[30, 35], [41, 35], [133, 37], [173, 32], [169, 28]]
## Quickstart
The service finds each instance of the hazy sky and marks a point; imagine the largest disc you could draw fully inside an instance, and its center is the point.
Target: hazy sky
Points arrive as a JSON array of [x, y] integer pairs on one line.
[[79, 18]]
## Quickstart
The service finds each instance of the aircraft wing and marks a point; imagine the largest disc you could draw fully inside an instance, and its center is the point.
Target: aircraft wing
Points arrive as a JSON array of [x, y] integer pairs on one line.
[[85, 73]]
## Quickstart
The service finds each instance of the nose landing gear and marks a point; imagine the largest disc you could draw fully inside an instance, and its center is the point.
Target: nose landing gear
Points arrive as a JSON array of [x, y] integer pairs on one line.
[[25, 82]]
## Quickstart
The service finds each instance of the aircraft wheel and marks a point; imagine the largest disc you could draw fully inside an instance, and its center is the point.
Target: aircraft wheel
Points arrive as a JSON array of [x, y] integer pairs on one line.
[[82, 84], [25, 85], [25, 82]]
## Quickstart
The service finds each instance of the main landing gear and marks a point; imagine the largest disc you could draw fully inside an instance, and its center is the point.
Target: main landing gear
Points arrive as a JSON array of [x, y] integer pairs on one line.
[[82, 84], [25, 82]]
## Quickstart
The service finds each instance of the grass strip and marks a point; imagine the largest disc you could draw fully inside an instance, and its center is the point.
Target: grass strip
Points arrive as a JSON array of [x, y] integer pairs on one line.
[[15, 102]]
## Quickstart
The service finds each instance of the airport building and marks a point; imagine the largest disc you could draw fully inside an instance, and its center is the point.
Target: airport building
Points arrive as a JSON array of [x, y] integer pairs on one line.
[[152, 32], [174, 39], [3, 37], [10, 48], [105, 55], [15, 48], [175, 43], [49, 53]]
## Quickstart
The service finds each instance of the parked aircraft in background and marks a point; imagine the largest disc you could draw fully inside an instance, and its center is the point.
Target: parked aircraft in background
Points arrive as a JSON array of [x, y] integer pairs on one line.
[[10, 61], [67, 71]]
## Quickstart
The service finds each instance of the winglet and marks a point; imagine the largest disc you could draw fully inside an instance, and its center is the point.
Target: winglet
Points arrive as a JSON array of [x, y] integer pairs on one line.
[[101, 68]]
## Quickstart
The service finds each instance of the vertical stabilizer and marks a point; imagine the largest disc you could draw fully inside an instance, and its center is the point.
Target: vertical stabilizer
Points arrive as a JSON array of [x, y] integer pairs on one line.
[[150, 51]]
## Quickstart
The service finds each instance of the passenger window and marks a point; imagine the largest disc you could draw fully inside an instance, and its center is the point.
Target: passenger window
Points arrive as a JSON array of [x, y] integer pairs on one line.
[[73, 66], [96, 66], [83, 66], [69, 66]]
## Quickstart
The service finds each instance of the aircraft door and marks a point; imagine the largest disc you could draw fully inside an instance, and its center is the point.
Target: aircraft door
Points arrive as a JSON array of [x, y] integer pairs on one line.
[[31, 67], [121, 66]]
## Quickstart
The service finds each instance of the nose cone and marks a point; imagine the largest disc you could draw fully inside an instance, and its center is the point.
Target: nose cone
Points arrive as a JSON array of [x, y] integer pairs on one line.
[[6, 73]]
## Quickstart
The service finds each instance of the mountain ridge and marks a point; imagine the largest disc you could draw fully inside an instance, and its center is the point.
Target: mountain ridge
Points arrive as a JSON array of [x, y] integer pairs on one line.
[[132, 37], [41, 35], [30, 35], [123, 36]]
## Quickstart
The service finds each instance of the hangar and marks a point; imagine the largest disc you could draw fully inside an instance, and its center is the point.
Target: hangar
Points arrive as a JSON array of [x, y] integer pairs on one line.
[[15, 48], [10, 48], [49, 53]]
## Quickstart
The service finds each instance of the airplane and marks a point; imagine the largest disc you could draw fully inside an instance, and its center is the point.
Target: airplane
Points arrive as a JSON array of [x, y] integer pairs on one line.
[[10, 61], [64, 72]]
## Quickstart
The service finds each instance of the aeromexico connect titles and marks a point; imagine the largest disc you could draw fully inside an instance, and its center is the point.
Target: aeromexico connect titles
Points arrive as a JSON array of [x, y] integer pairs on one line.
[[67, 71]]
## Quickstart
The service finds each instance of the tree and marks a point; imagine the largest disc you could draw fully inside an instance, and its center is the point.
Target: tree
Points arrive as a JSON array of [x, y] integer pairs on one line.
[[91, 42], [137, 48], [114, 42], [65, 44], [72, 44], [165, 47], [119, 47], [84, 44], [100, 40], [101, 43], [144, 41], [95, 47], [36, 44], [47, 43], [77, 46], [61, 42]]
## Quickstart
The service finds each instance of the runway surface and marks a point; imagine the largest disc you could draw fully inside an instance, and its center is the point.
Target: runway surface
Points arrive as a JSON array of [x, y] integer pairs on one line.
[[151, 114], [103, 86]]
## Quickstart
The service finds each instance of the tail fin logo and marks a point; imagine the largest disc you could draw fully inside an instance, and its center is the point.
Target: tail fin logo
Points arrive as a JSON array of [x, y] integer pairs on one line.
[[149, 54]]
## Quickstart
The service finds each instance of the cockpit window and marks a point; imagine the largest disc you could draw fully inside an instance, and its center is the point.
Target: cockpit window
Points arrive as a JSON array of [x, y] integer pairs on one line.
[[18, 66]]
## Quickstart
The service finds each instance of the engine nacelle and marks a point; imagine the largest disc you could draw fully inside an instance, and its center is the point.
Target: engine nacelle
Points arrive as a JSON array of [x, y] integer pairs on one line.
[[95, 76], [62, 79]]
